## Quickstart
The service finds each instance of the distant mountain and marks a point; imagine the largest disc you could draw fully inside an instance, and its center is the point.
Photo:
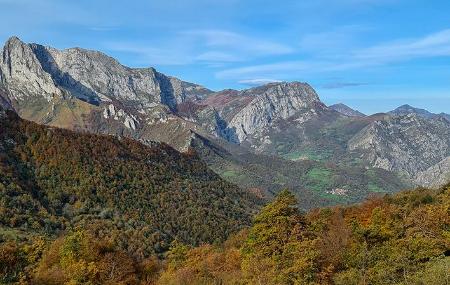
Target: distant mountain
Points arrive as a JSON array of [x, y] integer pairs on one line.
[[53, 179], [346, 110], [407, 109]]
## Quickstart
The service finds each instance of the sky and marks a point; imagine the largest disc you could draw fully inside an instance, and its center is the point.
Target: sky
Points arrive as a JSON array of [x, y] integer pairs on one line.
[[372, 55]]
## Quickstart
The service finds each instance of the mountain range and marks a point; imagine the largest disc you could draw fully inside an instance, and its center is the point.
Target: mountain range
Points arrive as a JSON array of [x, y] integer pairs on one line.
[[263, 139]]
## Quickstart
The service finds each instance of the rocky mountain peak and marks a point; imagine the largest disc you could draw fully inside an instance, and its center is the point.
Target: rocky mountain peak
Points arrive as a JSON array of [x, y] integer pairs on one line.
[[22, 73], [14, 41], [294, 88], [87, 90], [273, 102]]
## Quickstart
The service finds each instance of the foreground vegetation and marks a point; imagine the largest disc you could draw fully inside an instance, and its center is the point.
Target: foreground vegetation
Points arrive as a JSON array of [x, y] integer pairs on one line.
[[400, 239], [85, 209]]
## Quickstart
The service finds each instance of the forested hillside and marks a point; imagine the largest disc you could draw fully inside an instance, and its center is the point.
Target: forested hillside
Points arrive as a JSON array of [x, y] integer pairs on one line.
[[139, 197]]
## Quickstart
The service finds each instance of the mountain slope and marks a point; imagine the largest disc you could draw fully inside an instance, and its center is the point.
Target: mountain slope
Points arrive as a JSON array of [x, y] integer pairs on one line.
[[141, 196], [409, 144], [82, 89]]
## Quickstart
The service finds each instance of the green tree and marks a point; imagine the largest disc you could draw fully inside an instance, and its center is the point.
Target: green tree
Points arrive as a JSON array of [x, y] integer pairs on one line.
[[279, 248]]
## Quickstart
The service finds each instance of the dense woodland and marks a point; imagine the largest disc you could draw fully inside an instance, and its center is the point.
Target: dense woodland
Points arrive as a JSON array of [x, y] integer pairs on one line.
[[85, 209], [141, 198]]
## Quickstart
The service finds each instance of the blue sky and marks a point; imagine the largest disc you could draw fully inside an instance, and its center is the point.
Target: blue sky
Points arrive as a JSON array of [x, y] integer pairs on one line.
[[373, 55]]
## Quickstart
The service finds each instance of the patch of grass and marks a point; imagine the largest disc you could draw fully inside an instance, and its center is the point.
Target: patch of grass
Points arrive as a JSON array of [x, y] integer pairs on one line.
[[70, 113], [229, 174], [319, 173], [319, 179], [372, 187]]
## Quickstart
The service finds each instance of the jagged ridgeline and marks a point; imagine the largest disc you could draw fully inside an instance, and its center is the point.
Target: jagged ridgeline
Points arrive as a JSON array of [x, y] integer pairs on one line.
[[139, 197]]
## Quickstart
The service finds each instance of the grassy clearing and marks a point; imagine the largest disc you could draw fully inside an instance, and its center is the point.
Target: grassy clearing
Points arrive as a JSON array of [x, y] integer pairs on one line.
[[319, 179], [372, 187]]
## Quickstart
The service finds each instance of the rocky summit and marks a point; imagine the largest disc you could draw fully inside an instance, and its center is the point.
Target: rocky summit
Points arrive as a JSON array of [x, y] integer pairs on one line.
[[237, 132]]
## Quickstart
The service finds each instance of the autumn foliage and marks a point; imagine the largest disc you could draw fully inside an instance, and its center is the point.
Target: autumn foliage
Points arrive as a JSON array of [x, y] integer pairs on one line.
[[399, 239]]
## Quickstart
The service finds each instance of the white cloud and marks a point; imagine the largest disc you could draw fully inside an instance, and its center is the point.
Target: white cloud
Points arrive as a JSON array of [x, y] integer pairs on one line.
[[436, 44], [263, 69]]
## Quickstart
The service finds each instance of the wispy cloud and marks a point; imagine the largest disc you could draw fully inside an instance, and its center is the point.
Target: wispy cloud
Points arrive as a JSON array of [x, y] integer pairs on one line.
[[257, 81], [218, 56], [145, 54], [432, 45], [337, 85], [333, 41], [263, 69], [211, 47], [237, 42]]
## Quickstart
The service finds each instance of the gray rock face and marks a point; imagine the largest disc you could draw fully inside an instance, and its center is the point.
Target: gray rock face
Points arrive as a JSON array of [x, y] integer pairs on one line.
[[435, 176], [407, 109], [346, 110], [31, 69], [22, 74], [409, 144], [273, 102]]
